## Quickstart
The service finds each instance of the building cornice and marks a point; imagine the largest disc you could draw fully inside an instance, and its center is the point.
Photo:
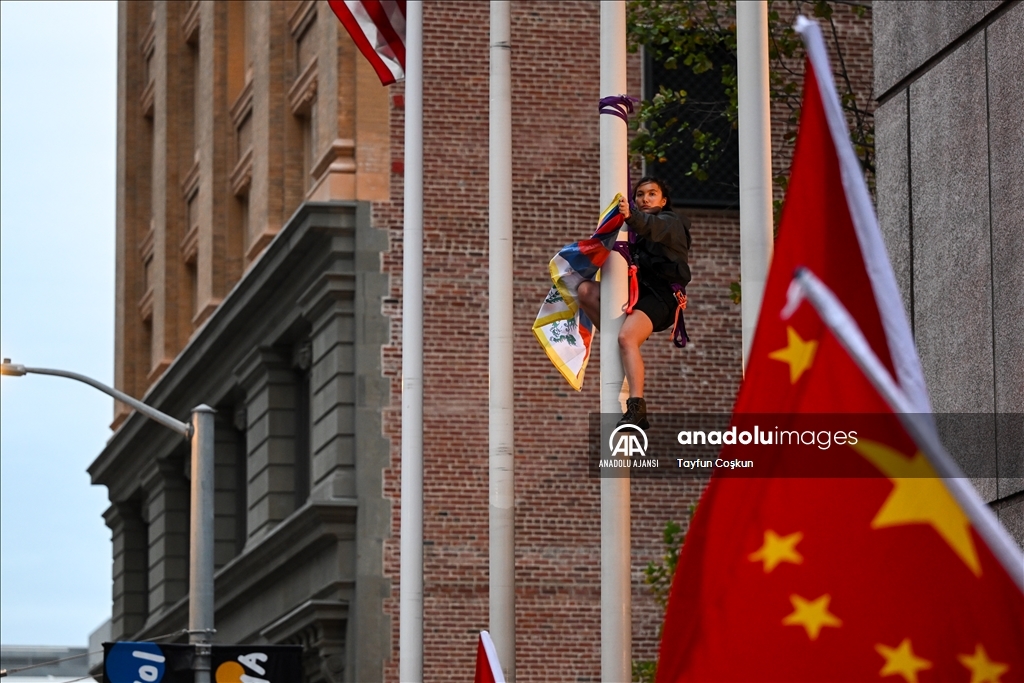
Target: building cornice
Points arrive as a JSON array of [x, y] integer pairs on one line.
[[198, 375]]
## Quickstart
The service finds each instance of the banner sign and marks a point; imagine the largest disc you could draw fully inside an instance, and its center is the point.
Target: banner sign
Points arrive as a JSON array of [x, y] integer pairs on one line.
[[143, 662]]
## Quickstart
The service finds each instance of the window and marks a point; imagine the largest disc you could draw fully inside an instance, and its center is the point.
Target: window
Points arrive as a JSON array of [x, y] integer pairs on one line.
[[706, 98]]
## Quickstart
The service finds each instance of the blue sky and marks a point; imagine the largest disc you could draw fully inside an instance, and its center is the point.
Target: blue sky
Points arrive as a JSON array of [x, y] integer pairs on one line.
[[58, 90]]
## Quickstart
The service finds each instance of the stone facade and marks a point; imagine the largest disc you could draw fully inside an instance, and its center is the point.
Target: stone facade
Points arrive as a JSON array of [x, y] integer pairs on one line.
[[230, 116], [259, 239], [299, 521], [950, 202]]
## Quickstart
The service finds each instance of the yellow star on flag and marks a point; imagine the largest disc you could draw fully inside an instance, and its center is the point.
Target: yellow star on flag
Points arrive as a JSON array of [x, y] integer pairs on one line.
[[777, 549], [901, 660], [920, 497], [813, 615], [983, 669], [799, 354]]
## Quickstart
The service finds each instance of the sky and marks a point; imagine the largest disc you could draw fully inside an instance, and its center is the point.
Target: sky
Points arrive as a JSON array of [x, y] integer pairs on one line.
[[58, 116]]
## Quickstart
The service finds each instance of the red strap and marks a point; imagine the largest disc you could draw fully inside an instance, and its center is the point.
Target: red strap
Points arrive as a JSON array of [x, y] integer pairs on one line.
[[675, 324], [634, 292]]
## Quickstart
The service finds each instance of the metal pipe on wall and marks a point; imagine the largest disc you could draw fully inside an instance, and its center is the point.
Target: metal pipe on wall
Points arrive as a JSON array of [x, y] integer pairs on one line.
[[616, 634], [755, 133], [500, 430], [410, 628]]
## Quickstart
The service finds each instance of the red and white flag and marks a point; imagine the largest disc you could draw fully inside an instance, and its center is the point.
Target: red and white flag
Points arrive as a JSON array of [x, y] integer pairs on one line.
[[488, 669], [378, 29], [886, 570]]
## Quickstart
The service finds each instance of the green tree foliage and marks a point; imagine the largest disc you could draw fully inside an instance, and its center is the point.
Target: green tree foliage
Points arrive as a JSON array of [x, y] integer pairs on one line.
[[658, 578], [696, 34]]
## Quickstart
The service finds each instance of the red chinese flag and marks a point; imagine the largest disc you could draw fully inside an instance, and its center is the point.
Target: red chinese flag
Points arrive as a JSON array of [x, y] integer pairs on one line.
[[488, 670], [878, 575], [377, 27]]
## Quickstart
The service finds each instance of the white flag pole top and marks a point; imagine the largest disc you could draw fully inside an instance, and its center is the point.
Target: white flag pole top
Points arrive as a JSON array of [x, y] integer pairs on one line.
[[492, 657], [876, 260], [845, 329], [410, 615], [755, 133], [616, 607], [501, 409]]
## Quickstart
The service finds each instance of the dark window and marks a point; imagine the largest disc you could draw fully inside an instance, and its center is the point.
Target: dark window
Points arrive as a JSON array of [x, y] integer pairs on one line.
[[241, 479], [705, 103], [303, 427]]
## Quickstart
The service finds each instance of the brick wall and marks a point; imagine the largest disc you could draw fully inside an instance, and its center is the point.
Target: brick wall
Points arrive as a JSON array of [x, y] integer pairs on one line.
[[555, 201]]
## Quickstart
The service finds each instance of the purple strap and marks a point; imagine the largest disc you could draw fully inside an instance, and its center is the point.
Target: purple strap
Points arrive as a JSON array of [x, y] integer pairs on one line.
[[618, 105], [621, 106], [679, 336], [623, 249]]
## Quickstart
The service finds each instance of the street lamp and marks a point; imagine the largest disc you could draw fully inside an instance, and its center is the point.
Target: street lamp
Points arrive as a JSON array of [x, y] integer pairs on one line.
[[200, 432]]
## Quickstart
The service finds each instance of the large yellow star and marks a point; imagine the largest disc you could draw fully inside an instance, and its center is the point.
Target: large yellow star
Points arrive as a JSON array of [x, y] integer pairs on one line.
[[813, 615], [799, 354], [777, 549], [920, 497], [983, 669], [901, 660]]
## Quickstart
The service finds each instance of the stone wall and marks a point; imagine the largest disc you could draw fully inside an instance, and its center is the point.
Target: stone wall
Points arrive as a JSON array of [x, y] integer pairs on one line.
[[951, 206]]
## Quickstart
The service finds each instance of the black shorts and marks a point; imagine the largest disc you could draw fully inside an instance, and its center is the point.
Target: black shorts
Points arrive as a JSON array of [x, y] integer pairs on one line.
[[658, 304]]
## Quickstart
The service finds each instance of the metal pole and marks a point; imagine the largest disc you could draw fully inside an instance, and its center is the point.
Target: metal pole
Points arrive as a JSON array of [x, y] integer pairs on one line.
[[201, 432], [756, 233], [200, 571], [410, 618], [616, 634], [501, 457]]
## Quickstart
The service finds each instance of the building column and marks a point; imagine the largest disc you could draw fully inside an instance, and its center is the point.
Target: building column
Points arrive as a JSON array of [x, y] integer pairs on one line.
[[229, 487], [130, 590], [269, 384], [167, 513], [328, 306]]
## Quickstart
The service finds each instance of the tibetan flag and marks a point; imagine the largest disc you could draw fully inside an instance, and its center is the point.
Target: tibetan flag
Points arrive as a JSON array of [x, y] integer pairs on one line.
[[561, 327], [488, 669], [882, 572], [377, 28]]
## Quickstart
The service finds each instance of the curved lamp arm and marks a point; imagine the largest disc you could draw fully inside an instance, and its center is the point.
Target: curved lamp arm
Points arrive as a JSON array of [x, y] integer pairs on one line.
[[14, 370]]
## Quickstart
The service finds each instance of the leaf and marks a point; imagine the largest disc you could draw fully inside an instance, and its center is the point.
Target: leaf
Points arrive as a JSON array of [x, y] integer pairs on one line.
[[735, 293]]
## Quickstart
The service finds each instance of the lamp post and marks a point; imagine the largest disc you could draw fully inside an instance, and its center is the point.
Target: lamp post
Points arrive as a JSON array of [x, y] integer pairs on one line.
[[200, 432]]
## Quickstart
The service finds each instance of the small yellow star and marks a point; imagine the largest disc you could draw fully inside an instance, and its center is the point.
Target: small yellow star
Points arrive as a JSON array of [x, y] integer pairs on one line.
[[901, 660], [777, 549], [812, 615], [799, 354], [919, 496], [983, 669]]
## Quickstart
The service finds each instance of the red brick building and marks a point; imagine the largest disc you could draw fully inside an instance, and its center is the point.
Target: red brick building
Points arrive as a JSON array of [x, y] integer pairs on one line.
[[296, 341]]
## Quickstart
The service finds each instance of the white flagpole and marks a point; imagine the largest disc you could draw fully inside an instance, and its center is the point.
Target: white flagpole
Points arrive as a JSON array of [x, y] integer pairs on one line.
[[501, 456], [410, 618], [616, 634], [844, 328], [756, 234]]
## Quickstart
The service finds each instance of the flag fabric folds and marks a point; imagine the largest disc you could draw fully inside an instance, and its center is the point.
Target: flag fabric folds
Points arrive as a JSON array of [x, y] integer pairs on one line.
[[488, 669], [877, 575], [561, 327], [378, 29]]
